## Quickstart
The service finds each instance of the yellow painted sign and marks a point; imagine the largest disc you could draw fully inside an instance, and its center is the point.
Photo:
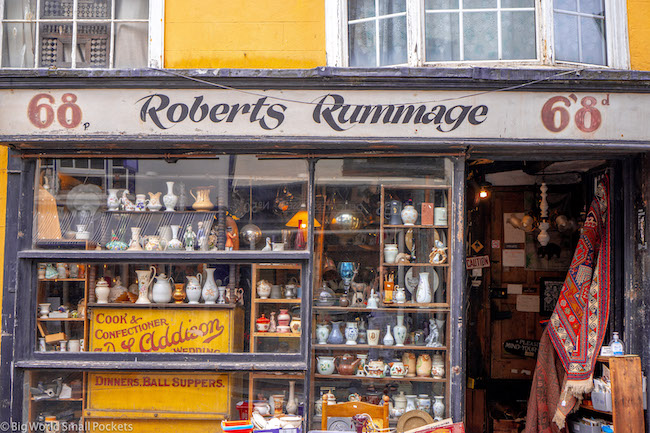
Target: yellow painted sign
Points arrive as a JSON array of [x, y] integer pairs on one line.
[[153, 330]]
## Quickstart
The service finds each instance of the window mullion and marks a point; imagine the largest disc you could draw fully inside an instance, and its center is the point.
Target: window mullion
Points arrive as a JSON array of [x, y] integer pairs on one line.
[[73, 54], [415, 38], [37, 37], [499, 33], [545, 41], [461, 38], [377, 60], [111, 42]]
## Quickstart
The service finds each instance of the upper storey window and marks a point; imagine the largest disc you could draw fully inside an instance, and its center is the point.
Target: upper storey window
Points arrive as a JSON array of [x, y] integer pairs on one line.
[[80, 33], [375, 33]]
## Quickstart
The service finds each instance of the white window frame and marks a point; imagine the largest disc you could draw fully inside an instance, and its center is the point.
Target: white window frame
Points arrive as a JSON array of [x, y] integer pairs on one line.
[[156, 23], [616, 35]]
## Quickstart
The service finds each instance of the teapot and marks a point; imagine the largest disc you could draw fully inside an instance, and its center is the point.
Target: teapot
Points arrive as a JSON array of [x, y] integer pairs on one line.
[[347, 364], [202, 199], [375, 369], [162, 289]]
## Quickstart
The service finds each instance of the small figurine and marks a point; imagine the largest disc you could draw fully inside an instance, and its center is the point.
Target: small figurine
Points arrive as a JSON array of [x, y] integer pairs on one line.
[[229, 240], [433, 339], [273, 324], [116, 244], [127, 204], [212, 239], [189, 238], [438, 253], [202, 239], [268, 245]]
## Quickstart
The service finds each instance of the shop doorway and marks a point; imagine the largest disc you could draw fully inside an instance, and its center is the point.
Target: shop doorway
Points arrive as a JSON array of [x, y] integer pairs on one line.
[[510, 298]]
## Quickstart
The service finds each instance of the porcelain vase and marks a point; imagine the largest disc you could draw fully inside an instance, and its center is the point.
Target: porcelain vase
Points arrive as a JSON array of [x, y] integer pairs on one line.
[[439, 407], [170, 199], [174, 243], [134, 244], [409, 214], [399, 331], [209, 291], [388, 338], [102, 291], [112, 201], [322, 332], [423, 366], [410, 402], [292, 406], [351, 333], [336, 337], [438, 366], [390, 253], [222, 295], [423, 294]]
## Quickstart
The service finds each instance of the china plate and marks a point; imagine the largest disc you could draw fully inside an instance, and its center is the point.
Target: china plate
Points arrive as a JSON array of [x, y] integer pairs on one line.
[[413, 419], [408, 239], [441, 235], [411, 282]]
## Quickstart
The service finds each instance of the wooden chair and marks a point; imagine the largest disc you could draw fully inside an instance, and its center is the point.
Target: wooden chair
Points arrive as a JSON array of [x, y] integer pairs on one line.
[[379, 413]]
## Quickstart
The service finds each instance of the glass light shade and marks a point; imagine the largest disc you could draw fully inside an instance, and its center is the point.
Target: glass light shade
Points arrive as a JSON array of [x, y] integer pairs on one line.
[[301, 217]]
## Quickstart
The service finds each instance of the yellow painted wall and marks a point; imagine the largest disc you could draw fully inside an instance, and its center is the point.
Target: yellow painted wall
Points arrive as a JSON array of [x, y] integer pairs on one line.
[[244, 33], [3, 214], [638, 15]]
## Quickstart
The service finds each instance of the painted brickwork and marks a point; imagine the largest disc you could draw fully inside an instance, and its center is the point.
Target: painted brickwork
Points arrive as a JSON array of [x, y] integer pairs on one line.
[[638, 15], [244, 34]]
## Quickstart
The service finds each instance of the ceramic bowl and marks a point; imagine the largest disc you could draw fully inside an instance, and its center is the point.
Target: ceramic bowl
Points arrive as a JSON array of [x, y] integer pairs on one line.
[[283, 329]]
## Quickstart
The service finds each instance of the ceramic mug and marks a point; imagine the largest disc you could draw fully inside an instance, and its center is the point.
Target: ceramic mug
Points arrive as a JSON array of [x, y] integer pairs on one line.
[[74, 346], [373, 336]]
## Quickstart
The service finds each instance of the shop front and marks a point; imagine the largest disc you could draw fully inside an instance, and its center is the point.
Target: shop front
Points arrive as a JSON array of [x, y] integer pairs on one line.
[[184, 254]]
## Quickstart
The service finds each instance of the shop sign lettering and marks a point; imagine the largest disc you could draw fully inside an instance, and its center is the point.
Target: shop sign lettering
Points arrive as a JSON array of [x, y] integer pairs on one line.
[[478, 262], [159, 331], [522, 347], [556, 116]]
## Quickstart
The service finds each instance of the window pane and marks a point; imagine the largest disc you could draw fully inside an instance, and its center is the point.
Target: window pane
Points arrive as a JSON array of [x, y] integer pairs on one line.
[[391, 6], [392, 37], [479, 4], [20, 9], [517, 3], [566, 5], [595, 7], [57, 9], [126, 9], [18, 45], [362, 44], [441, 4], [593, 41], [92, 45], [518, 33], [566, 37], [442, 37], [361, 9], [480, 34], [55, 45], [95, 9], [131, 45]]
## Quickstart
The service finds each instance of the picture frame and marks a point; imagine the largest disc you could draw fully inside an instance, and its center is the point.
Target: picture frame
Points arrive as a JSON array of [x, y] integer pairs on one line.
[[549, 292]]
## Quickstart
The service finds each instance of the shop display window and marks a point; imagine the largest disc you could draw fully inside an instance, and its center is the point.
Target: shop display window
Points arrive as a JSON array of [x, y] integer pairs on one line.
[[168, 307], [382, 283], [191, 205], [169, 401]]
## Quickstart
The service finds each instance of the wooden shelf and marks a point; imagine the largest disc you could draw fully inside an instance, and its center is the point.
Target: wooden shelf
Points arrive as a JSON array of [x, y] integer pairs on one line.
[[317, 346], [56, 399], [63, 319], [393, 308], [279, 376], [414, 226], [54, 280], [277, 301], [144, 257], [423, 265], [591, 408], [170, 306], [276, 334], [378, 379]]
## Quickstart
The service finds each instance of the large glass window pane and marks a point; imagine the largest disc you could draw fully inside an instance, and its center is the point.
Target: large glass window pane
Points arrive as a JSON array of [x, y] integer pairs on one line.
[[442, 37], [357, 310], [18, 45], [566, 37], [56, 45], [595, 7], [593, 40], [131, 9], [20, 9], [517, 4], [131, 45], [479, 4], [92, 10], [566, 5], [392, 38], [361, 9], [518, 33], [387, 7], [361, 40], [441, 4], [480, 35], [93, 45]]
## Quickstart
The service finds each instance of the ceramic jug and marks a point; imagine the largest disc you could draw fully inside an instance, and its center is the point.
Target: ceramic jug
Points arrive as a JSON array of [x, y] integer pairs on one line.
[[134, 244], [209, 291], [145, 278], [140, 202], [397, 369], [409, 361], [399, 297], [423, 366], [154, 201], [363, 358], [202, 199], [162, 289], [336, 337], [395, 213], [193, 289], [112, 201]]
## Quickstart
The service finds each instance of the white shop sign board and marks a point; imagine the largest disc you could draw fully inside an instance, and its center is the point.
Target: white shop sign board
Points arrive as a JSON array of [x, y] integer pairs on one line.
[[28, 114]]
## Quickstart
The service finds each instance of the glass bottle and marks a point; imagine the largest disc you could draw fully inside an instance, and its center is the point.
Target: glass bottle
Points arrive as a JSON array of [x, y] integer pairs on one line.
[[617, 345]]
